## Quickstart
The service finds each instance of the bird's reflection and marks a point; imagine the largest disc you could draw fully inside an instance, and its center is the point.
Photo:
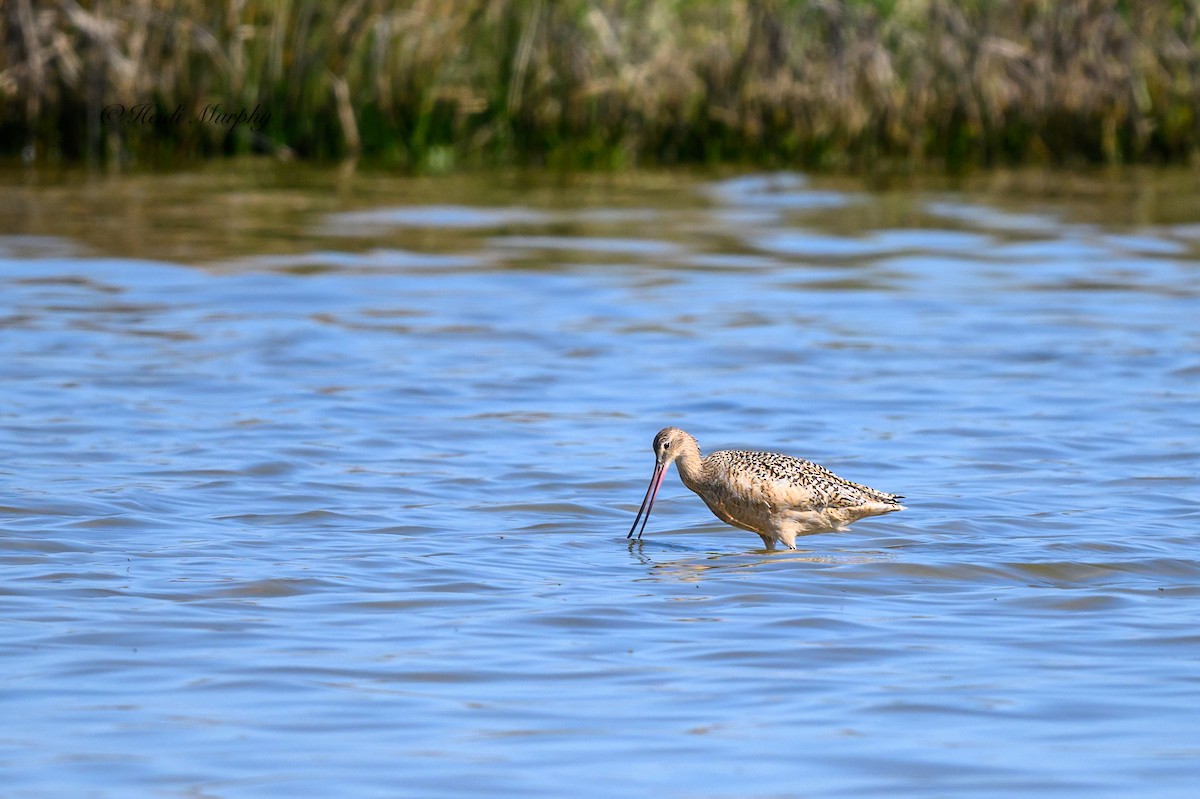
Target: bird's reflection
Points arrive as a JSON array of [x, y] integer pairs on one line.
[[666, 560]]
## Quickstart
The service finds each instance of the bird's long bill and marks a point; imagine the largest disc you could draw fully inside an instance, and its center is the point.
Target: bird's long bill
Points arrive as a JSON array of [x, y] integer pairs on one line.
[[660, 471]]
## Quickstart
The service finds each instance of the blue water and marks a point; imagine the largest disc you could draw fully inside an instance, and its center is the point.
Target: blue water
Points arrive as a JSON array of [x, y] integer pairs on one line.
[[313, 492]]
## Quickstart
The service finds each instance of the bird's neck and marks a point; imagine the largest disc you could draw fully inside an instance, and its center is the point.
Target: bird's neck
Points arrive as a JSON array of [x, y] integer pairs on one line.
[[690, 465]]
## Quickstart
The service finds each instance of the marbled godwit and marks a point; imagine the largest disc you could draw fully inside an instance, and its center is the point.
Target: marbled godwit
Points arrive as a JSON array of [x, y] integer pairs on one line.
[[776, 496]]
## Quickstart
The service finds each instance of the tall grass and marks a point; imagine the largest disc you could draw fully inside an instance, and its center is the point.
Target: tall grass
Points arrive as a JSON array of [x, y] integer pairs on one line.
[[438, 83]]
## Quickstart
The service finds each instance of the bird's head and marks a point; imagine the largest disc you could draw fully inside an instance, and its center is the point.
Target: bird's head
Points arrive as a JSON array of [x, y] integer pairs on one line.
[[670, 443]]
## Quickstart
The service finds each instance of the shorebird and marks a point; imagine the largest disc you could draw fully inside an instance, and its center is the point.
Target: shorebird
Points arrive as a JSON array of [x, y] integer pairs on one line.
[[776, 496]]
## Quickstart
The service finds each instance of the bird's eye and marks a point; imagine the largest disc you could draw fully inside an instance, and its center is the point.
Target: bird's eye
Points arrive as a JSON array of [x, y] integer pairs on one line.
[[666, 445]]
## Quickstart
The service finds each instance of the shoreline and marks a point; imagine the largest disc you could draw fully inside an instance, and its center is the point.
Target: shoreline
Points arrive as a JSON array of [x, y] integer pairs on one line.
[[843, 86]]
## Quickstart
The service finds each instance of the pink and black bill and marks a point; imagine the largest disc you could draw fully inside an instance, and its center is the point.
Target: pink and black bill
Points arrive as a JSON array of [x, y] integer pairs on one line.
[[660, 471]]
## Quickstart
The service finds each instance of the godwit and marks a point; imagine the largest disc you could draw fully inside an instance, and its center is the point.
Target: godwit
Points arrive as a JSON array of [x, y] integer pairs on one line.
[[776, 496]]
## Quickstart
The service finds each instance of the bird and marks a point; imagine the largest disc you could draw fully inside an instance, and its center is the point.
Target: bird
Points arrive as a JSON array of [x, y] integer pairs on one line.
[[775, 496]]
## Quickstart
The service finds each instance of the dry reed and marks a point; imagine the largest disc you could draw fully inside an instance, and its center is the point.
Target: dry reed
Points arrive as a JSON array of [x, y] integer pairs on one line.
[[435, 83]]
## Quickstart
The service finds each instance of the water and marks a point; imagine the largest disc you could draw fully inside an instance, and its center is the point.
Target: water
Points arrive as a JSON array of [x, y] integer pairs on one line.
[[317, 485]]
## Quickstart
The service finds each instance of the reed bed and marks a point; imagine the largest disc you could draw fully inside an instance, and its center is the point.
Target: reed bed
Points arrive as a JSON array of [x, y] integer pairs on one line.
[[434, 84]]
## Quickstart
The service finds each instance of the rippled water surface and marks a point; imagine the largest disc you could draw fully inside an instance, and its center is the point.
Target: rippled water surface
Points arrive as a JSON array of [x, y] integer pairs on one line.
[[317, 484]]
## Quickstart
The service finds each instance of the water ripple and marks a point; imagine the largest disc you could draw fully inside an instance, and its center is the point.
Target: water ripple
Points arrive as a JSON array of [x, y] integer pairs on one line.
[[343, 508]]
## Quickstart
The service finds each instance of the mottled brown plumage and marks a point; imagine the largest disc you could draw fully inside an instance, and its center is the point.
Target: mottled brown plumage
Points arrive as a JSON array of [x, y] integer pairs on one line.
[[776, 496]]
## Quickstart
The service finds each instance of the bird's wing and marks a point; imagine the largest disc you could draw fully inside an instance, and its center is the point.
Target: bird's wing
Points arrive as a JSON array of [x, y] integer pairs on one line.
[[782, 481]]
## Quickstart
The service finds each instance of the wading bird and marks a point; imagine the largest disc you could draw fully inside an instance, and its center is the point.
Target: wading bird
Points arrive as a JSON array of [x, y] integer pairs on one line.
[[778, 497]]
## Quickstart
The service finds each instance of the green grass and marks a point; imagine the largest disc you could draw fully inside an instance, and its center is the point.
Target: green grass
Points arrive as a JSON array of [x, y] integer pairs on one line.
[[437, 85]]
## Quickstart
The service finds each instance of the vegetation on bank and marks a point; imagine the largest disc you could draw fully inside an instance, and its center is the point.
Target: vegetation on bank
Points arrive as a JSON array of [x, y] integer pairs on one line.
[[431, 84]]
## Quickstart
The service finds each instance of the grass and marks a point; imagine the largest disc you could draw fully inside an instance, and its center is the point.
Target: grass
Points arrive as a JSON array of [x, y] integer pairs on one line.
[[438, 84]]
